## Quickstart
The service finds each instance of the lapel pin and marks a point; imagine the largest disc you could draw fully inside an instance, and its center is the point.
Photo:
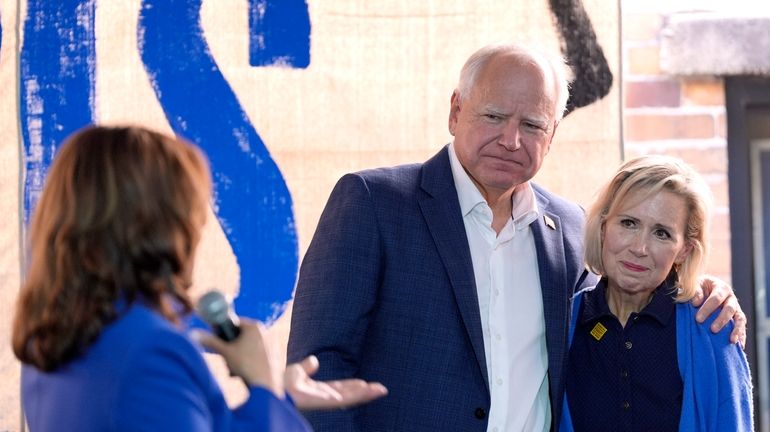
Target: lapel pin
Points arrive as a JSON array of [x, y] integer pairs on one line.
[[598, 331], [549, 222]]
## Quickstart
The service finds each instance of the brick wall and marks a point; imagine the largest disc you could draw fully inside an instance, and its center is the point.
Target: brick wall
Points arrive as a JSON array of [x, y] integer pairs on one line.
[[677, 116]]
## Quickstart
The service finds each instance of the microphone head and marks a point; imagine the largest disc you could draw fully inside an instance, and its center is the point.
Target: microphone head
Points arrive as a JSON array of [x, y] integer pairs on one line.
[[214, 308]]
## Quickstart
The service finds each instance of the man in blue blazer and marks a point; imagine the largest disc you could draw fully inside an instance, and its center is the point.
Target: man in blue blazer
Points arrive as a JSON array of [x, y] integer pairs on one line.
[[450, 281]]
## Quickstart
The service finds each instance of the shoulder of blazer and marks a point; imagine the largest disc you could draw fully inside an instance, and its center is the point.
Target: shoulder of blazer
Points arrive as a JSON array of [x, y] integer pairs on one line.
[[556, 203], [432, 176], [571, 215], [396, 178]]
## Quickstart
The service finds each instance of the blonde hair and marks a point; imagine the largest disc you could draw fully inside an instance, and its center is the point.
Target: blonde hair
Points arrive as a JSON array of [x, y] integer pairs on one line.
[[559, 70], [637, 180]]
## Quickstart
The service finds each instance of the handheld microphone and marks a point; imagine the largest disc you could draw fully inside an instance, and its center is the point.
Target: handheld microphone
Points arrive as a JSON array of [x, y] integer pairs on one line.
[[214, 308]]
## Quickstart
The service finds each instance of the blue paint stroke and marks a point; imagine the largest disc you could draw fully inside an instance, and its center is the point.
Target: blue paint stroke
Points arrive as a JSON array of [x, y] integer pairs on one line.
[[251, 199], [57, 83], [279, 33]]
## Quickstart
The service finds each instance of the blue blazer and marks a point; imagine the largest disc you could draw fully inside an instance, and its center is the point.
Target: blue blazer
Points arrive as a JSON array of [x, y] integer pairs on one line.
[[386, 292], [144, 374]]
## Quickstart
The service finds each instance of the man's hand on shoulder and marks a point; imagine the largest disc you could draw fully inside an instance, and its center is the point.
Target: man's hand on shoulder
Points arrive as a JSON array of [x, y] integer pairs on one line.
[[713, 294]]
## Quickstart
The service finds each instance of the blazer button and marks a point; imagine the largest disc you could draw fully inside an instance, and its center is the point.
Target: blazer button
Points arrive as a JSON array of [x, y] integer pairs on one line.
[[480, 413]]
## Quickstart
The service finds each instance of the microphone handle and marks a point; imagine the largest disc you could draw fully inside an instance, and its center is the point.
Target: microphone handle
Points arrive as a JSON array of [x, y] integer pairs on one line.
[[227, 331]]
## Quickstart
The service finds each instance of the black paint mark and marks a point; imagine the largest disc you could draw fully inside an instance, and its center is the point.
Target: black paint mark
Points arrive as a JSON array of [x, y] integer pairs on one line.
[[593, 78]]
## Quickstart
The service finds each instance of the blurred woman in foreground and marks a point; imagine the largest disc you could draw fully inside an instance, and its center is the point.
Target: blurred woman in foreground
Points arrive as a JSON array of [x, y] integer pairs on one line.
[[638, 360], [98, 319]]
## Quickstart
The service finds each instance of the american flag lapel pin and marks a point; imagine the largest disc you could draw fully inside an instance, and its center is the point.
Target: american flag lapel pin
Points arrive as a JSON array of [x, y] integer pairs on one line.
[[549, 222]]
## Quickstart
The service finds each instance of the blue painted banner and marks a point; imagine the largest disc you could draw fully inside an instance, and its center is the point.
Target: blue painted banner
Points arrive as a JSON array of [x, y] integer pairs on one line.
[[58, 63], [251, 199], [279, 33]]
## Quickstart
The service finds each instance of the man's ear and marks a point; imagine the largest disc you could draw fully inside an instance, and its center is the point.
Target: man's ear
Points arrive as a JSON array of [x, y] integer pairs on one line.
[[553, 133], [454, 111]]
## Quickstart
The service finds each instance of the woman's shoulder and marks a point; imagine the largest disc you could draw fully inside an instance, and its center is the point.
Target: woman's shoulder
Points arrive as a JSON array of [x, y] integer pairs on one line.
[[141, 331], [699, 334], [156, 350]]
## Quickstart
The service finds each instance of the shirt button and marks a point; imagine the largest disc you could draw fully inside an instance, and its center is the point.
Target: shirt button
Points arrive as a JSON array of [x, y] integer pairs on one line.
[[494, 429], [499, 381], [480, 413], [624, 374], [498, 337], [497, 292], [629, 345], [626, 405]]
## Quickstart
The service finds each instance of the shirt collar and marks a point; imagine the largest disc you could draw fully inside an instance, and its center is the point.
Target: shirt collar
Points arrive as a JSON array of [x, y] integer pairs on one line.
[[524, 208], [661, 306]]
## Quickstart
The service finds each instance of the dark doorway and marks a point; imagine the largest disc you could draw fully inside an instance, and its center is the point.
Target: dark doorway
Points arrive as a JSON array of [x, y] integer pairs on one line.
[[748, 149]]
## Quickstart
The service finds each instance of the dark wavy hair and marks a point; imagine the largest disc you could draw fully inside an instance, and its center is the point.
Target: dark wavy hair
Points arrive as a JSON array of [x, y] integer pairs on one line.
[[118, 221]]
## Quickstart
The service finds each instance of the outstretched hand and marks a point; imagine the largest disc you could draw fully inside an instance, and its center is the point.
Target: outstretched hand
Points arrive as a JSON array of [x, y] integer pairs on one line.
[[309, 394], [718, 294]]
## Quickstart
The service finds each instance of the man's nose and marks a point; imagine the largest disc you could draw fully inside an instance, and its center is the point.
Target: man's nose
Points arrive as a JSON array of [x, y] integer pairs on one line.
[[510, 137]]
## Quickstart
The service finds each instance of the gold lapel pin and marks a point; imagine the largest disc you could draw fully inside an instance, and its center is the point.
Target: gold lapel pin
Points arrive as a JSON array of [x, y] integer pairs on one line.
[[598, 331]]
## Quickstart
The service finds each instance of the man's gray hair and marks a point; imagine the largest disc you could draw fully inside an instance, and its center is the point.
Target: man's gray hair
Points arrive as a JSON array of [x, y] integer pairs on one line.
[[560, 71]]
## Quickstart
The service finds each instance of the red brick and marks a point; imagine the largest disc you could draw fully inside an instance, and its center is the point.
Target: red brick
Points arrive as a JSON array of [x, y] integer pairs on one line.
[[720, 226], [652, 94], [644, 60], [705, 161], [641, 27], [721, 125], [719, 261], [644, 127], [703, 92], [720, 189]]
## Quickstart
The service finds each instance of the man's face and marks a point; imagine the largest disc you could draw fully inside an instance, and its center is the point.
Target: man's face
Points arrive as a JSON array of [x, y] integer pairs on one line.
[[503, 128]]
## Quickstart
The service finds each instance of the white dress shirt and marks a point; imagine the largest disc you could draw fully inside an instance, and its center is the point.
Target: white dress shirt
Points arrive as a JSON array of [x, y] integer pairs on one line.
[[510, 304]]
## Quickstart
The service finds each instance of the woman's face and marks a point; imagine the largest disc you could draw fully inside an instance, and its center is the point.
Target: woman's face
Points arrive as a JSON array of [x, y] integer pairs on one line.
[[643, 241]]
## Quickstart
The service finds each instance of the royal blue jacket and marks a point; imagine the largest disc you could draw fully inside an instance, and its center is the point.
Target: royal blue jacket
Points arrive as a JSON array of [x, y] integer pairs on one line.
[[144, 374]]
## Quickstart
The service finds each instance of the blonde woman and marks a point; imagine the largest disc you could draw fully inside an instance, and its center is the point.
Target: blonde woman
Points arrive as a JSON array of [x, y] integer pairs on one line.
[[638, 360]]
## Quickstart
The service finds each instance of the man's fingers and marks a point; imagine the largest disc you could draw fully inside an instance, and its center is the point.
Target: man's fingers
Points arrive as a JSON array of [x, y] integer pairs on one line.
[[697, 300], [739, 332], [357, 391], [729, 308], [310, 365], [338, 394], [712, 303]]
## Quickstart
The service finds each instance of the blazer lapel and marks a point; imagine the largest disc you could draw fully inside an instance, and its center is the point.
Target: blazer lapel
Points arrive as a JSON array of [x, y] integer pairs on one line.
[[441, 209], [551, 261]]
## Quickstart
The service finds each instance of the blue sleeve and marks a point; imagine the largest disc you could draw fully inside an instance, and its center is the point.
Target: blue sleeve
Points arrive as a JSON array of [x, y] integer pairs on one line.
[[263, 411], [717, 392], [337, 291], [735, 389], [168, 387]]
